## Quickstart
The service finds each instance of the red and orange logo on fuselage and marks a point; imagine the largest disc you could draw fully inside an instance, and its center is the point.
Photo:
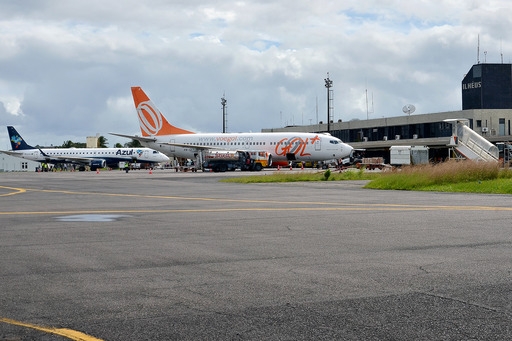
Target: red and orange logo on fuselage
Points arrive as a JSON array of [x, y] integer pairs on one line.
[[294, 145]]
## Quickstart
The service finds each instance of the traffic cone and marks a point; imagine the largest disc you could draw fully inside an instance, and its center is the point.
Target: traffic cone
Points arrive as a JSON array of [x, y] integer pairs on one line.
[[302, 166], [151, 171], [291, 167], [97, 171], [278, 167]]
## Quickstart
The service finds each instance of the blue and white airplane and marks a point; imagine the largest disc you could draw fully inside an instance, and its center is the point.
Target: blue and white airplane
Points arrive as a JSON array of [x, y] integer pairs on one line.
[[93, 157]]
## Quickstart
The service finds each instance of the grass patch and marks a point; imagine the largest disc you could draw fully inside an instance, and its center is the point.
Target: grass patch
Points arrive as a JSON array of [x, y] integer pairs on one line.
[[453, 176], [497, 186], [282, 176]]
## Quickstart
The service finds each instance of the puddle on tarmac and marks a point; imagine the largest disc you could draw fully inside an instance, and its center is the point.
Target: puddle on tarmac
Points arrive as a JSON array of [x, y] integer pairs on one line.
[[92, 217]]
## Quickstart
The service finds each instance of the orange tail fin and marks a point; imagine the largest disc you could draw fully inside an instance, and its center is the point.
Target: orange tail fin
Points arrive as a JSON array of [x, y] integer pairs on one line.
[[151, 120]]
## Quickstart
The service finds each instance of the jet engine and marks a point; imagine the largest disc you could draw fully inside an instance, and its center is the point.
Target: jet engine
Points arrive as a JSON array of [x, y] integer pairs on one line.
[[99, 163]]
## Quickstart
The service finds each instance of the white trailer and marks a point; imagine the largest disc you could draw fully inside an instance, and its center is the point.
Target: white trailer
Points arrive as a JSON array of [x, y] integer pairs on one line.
[[408, 155]]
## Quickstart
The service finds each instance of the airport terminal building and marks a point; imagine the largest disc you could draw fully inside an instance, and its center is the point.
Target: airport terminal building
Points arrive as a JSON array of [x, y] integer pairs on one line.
[[10, 163], [486, 104]]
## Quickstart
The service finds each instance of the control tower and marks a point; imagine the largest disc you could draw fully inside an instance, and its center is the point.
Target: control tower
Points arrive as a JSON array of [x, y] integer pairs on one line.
[[487, 86]]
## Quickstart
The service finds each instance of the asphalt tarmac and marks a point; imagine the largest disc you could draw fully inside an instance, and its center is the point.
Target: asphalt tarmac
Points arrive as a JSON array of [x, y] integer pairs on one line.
[[182, 256]]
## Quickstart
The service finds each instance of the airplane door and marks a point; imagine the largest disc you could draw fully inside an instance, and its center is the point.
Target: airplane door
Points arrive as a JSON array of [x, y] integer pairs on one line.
[[173, 147], [146, 154], [318, 145]]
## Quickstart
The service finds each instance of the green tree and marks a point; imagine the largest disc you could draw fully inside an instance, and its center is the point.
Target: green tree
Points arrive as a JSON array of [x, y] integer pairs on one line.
[[118, 145], [102, 142], [133, 144], [71, 144], [68, 144]]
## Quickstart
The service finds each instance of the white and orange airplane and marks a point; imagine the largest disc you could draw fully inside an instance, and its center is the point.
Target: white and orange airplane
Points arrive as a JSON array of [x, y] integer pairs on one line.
[[282, 147]]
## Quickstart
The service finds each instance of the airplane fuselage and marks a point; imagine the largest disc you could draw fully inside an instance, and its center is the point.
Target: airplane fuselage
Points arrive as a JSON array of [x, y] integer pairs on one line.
[[282, 146], [80, 155]]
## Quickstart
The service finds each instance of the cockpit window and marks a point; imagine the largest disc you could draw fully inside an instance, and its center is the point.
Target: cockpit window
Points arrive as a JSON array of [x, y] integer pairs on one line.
[[333, 141]]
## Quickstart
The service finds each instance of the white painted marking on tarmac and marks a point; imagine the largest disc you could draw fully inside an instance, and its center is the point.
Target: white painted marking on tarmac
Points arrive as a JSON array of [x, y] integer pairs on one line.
[[92, 217]]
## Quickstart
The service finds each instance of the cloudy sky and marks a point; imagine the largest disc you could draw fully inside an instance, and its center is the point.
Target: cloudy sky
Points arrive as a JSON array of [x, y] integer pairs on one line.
[[66, 67]]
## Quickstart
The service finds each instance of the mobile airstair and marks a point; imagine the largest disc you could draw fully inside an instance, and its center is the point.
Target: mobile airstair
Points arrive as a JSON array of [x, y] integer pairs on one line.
[[469, 144]]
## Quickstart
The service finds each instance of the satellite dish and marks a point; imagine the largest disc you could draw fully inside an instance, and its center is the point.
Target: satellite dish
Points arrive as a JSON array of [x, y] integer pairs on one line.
[[408, 109]]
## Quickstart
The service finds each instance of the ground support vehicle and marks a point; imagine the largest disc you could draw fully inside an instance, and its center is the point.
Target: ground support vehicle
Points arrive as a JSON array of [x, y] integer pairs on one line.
[[371, 163], [505, 153], [222, 161]]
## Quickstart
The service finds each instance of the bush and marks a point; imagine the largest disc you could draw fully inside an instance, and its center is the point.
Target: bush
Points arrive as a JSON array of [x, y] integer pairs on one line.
[[327, 174]]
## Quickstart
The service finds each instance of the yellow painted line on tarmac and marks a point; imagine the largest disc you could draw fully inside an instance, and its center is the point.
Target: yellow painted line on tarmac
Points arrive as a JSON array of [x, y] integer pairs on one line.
[[68, 333], [281, 202], [366, 208], [334, 206], [14, 191]]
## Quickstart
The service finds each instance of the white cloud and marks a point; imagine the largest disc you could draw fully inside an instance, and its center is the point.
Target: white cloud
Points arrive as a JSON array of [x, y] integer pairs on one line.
[[68, 65]]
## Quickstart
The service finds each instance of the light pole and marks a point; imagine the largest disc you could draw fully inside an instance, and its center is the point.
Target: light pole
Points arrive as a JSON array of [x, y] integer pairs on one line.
[[328, 85], [223, 101]]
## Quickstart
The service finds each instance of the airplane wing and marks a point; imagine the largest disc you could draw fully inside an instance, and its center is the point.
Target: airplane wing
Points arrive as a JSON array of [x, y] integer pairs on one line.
[[66, 159], [8, 152], [137, 138], [18, 154], [53, 159], [192, 146], [71, 159], [154, 139]]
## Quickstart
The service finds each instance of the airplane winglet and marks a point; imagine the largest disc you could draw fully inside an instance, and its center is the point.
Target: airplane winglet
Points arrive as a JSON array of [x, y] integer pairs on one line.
[[43, 153]]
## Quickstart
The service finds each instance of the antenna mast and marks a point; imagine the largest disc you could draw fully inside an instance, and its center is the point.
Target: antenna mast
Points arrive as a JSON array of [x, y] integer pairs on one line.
[[501, 51], [316, 109], [367, 110], [478, 51]]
